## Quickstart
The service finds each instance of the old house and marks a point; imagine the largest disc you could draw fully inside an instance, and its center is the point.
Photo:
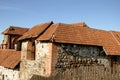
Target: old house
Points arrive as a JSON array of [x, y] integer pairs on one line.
[[11, 36], [69, 52], [58, 51], [10, 53]]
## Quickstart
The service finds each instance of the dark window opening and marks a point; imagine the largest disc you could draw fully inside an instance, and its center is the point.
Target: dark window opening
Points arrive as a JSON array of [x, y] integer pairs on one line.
[[114, 64], [31, 51], [42, 46], [3, 77]]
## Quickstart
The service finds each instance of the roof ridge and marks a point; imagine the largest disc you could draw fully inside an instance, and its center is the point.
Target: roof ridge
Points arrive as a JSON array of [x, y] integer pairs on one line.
[[82, 24], [17, 26], [15, 30], [36, 31], [46, 28]]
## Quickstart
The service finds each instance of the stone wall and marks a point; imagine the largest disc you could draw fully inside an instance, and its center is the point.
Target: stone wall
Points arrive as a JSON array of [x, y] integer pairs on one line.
[[73, 56], [80, 62], [24, 50], [42, 63], [52, 59], [43, 56], [8, 74]]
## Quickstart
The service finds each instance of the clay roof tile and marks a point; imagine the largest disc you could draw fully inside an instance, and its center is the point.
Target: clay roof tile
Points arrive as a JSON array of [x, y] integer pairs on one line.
[[9, 58], [36, 31], [73, 34], [15, 30]]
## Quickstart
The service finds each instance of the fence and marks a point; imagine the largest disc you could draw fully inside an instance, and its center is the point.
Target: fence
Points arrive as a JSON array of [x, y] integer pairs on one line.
[[85, 72]]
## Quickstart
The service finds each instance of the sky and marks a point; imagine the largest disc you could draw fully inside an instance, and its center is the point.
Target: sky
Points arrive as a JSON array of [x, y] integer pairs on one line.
[[99, 14]]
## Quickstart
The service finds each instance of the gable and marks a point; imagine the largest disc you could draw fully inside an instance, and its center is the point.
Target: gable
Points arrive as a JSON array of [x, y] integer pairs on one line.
[[36, 31], [15, 30]]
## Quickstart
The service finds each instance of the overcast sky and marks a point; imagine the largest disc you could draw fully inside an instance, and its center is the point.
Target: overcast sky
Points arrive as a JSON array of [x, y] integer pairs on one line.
[[100, 14]]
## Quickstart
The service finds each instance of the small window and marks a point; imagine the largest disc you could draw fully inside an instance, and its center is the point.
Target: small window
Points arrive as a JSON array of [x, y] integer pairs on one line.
[[31, 51], [42, 46]]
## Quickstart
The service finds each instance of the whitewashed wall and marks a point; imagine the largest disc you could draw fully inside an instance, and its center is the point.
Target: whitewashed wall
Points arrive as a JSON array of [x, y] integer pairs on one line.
[[8, 74]]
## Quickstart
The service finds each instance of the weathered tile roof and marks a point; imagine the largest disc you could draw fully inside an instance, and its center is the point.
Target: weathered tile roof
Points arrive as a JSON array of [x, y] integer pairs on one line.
[[49, 33], [15, 30], [80, 24], [108, 40], [36, 31], [9, 58], [65, 33]]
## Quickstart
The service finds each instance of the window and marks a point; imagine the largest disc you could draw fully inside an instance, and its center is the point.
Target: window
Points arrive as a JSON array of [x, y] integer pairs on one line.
[[31, 50], [114, 64]]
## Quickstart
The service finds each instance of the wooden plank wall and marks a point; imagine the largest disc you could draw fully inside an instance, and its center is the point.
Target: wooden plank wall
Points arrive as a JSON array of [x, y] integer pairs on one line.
[[84, 72]]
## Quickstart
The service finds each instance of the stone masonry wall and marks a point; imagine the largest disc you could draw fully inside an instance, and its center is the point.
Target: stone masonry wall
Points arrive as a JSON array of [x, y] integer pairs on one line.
[[81, 62], [44, 57], [8, 74], [73, 56], [42, 63], [53, 58]]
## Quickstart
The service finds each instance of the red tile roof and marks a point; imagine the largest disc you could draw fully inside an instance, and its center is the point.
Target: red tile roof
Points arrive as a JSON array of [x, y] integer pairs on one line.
[[64, 33], [52, 29], [48, 33], [81, 24], [36, 31], [15, 30], [9, 58], [116, 35], [108, 41]]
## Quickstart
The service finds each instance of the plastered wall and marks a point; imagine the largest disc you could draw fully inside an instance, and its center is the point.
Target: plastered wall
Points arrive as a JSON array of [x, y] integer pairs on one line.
[[8, 74]]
